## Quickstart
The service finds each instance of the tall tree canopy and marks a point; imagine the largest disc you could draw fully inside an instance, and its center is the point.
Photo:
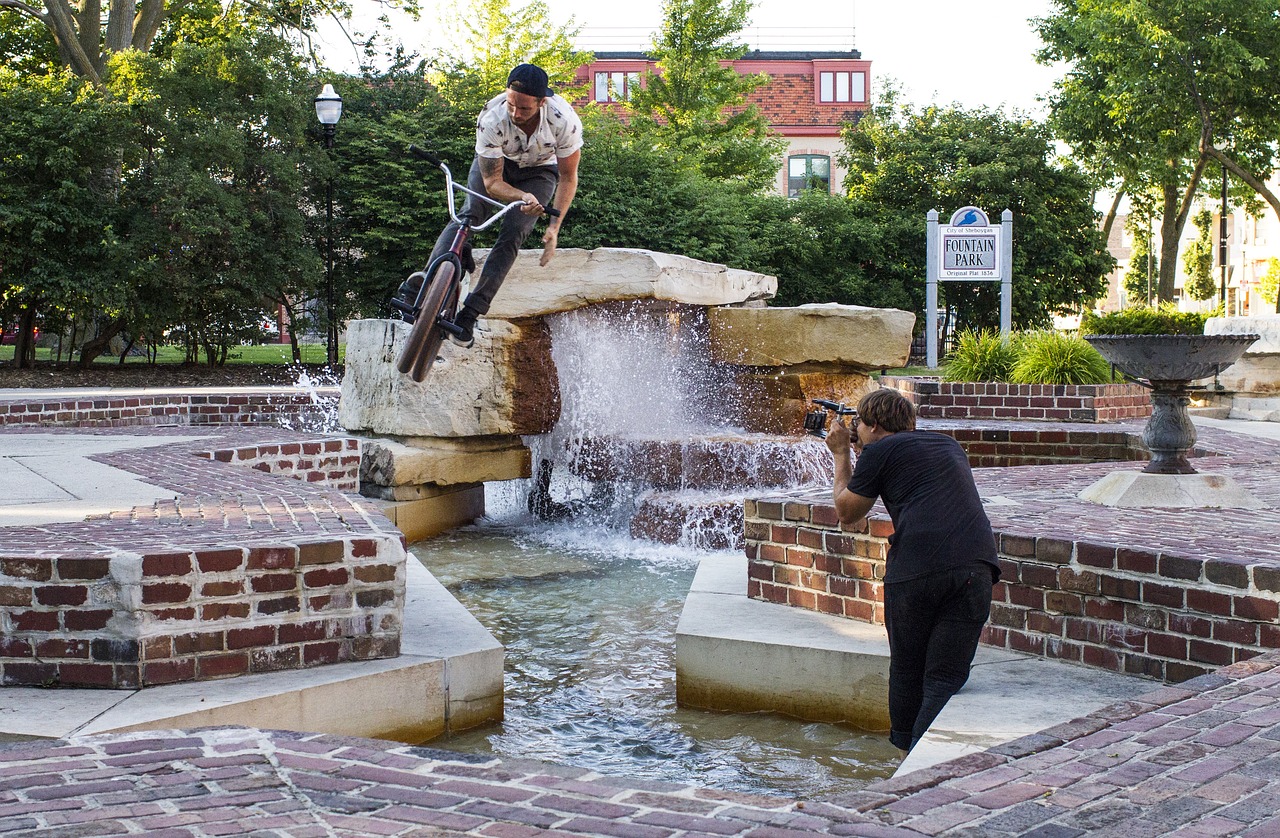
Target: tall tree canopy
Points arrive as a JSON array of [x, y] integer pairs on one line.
[[695, 106], [488, 37], [1153, 85], [906, 162]]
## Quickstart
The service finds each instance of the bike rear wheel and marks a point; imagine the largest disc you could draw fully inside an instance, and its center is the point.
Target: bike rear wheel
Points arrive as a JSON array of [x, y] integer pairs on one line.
[[420, 349]]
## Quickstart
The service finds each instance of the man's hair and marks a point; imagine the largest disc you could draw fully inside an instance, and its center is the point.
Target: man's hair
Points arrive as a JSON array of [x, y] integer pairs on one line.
[[887, 408]]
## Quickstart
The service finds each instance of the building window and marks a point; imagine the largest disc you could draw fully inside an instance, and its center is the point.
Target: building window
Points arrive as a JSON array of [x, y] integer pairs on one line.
[[842, 86], [808, 171], [615, 87]]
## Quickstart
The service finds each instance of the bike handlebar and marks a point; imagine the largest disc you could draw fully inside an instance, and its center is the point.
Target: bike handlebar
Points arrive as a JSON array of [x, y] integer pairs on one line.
[[423, 154]]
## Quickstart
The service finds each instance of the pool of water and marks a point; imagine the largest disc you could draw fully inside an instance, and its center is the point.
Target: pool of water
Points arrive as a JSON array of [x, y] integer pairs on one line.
[[588, 619]]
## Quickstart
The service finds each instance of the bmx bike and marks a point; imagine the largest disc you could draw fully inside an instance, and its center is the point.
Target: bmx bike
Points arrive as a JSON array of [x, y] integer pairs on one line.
[[433, 311]]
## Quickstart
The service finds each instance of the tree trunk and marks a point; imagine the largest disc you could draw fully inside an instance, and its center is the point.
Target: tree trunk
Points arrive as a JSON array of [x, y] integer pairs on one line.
[[100, 342], [293, 333], [1169, 233], [1109, 219], [24, 343]]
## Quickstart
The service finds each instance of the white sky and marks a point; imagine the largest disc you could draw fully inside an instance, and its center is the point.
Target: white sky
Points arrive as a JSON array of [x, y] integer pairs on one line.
[[942, 51]]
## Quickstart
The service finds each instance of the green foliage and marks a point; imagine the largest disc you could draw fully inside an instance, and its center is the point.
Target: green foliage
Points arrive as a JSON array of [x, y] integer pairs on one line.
[[903, 163], [58, 221], [213, 186], [1141, 320], [1270, 281], [1143, 273], [695, 107], [1049, 357], [491, 37], [1198, 260], [390, 206], [981, 355], [1149, 86], [27, 46]]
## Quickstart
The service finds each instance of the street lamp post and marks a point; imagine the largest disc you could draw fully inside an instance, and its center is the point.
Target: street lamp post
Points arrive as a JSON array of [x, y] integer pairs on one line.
[[1221, 146], [329, 111]]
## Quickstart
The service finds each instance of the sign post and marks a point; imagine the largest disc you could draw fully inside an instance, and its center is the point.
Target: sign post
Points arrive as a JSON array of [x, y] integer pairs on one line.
[[968, 248]]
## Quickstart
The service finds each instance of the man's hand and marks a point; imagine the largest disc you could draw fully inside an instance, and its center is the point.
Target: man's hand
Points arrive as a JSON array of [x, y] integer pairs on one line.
[[549, 239], [531, 204], [838, 439]]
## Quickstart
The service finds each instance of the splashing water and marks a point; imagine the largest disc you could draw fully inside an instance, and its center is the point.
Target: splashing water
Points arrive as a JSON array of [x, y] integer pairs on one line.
[[319, 415], [650, 434]]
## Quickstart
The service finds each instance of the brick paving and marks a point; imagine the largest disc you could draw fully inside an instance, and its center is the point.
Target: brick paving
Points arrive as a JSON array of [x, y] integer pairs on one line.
[[1201, 758]]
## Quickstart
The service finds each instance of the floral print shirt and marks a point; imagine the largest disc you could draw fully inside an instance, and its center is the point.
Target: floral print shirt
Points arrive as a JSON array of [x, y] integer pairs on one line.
[[559, 133]]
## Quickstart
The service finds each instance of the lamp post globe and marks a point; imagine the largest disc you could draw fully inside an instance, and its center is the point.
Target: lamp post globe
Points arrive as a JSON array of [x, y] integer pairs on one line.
[[328, 112]]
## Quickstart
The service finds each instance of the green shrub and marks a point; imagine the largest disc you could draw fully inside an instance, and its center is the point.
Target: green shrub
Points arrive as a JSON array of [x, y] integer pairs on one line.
[[1057, 358], [1165, 320], [981, 356]]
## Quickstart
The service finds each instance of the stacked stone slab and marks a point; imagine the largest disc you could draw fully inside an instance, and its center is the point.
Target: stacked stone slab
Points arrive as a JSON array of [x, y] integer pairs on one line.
[[462, 426], [1255, 378]]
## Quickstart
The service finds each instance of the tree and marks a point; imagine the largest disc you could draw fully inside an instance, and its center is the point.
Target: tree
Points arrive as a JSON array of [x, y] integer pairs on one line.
[[1144, 266], [1152, 86], [491, 38], [390, 206], [58, 244], [88, 32], [1197, 260], [903, 163], [212, 195], [1269, 282], [695, 106]]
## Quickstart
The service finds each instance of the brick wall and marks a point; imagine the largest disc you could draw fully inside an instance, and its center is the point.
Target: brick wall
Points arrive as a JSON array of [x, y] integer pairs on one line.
[[168, 409], [1000, 448], [129, 620], [936, 399], [333, 462], [1125, 610]]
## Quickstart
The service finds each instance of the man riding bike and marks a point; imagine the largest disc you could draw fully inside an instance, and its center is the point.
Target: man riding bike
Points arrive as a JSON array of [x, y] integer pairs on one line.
[[528, 143]]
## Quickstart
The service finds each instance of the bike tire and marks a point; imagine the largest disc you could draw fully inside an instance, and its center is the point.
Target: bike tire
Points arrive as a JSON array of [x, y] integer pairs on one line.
[[431, 351], [420, 349]]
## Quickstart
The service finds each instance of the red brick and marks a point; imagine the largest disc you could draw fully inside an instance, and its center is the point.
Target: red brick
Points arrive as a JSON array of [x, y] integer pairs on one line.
[[1209, 602], [327, 577], [174, 614], [226, 588], [1254, 608], [12, 596], [165, 592], [272, 558], [94, 675], [1167, 646], [275, 659], [220, 666], [363, 548], [322, 552], [35, 570], [62, 595], [79, 568], [251, 637], [195, 643], [222, 610], [303, 632], [166, 564], [1205, 652], [329, 651], [219, 561], [273, 582]]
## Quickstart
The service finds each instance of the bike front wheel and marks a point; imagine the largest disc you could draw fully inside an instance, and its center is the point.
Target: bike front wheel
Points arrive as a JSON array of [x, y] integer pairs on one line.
[[424, 341]]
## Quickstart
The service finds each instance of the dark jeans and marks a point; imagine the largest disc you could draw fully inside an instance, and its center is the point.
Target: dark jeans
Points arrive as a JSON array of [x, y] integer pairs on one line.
[[512, 230], [934, 623]]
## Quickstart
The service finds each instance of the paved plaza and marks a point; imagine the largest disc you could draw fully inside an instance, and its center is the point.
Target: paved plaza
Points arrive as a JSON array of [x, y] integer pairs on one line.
[[1201, 758]]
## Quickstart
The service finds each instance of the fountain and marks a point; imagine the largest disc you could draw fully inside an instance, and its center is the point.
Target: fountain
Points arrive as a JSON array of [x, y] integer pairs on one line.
[[1167, 364]]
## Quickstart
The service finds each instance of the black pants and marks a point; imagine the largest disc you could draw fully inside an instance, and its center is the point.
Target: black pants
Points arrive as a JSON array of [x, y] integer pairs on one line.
[[540, 181], [934, 623]]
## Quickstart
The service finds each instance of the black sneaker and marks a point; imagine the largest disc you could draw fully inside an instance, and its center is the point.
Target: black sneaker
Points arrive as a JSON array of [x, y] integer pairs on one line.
[[465, 322]]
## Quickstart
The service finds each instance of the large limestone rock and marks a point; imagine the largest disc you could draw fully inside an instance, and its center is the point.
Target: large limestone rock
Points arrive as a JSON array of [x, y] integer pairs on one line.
[[1258, 370], [577, 278], [504, 385], [812, 338], [398, 470]]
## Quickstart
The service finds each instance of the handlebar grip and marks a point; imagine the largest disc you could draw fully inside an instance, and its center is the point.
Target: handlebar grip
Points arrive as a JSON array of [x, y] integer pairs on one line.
[[423, 154], [552, 211]]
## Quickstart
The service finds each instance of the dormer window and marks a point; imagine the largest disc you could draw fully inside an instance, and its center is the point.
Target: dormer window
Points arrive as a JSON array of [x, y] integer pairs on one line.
[[842, 86]]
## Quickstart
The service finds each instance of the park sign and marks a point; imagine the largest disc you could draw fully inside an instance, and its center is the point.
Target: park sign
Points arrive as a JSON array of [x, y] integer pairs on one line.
[[969, 246]]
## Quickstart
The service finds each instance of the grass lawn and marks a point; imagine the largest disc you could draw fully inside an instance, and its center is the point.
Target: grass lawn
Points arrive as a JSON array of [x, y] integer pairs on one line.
[[269, 353]]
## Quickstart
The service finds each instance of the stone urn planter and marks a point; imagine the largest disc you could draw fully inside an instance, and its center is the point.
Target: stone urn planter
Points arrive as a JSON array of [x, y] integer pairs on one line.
[[1167, 364]]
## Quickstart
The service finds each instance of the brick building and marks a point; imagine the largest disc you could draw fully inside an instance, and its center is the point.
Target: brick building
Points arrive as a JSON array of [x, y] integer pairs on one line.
[[807, 99]]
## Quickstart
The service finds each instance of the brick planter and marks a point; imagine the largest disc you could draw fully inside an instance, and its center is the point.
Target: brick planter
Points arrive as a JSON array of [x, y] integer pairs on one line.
[[1126, 610], [243, 573], [138, 620], [935, 399]]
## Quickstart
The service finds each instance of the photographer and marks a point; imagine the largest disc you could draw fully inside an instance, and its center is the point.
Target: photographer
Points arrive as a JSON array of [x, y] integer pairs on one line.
[[942, 555]]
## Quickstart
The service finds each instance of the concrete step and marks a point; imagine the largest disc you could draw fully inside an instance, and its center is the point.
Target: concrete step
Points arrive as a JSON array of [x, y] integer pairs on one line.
[[741, 655], [1258, 409]]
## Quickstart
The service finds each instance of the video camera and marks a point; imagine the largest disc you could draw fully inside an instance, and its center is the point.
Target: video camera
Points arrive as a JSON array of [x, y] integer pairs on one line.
[[816, 421]]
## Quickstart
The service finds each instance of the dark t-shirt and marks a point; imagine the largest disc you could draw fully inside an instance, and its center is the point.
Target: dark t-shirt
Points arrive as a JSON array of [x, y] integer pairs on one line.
[[926, 484]]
